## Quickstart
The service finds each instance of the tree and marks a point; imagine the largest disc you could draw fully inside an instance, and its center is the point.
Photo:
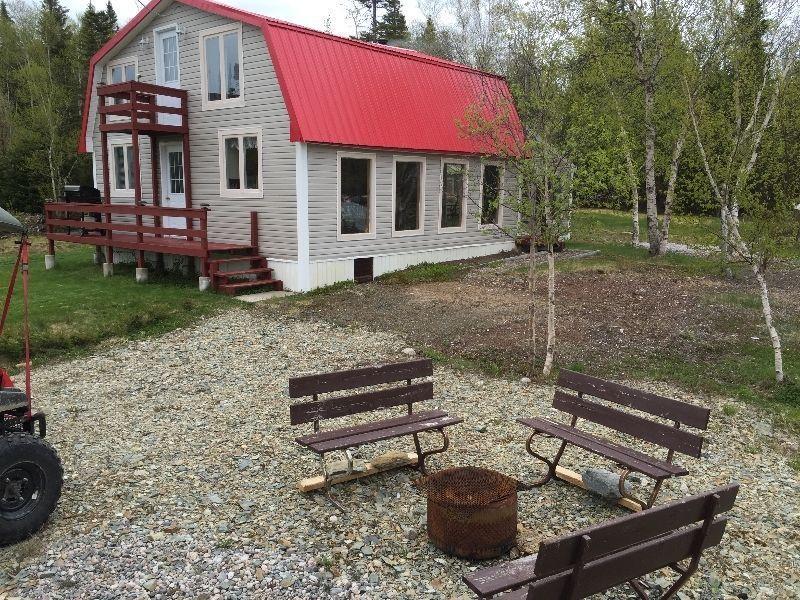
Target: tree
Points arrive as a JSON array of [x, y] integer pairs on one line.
[[392, 25], [430, 39], [756, 57]]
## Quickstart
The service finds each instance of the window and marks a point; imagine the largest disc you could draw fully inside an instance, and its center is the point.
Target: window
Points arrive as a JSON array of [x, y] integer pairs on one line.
[[356, 195], [491, 190], [408, 196], [240, 163], [120, 71], [453, 207], [122, 180], [221, 51]]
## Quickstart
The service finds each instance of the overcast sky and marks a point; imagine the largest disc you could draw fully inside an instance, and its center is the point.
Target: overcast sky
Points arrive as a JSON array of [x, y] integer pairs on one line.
[[311, 13]]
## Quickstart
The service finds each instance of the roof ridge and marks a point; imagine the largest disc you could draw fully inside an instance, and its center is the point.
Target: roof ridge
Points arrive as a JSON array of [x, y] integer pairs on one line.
[[402, 52]]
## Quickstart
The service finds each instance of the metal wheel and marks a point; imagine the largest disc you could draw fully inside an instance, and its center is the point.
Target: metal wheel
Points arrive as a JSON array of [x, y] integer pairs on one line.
[[20, 490]]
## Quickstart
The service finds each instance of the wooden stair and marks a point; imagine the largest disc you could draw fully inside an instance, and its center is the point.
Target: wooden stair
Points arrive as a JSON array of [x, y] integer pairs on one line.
[[229, 276]]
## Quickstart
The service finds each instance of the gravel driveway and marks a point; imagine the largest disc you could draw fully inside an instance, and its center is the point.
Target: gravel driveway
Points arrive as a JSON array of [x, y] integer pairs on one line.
[[182, 470]]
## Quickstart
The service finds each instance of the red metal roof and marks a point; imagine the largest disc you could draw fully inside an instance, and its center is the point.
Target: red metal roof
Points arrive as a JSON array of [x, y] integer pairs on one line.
[[346, 92]]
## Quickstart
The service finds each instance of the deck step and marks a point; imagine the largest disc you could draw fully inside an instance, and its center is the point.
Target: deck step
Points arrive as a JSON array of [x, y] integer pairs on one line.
[[234, 259], [243, 273], [232, 289]]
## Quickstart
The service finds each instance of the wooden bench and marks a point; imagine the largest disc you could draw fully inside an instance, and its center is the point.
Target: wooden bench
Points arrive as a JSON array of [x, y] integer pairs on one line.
[[616, 552], [671, 437], [409, 424]]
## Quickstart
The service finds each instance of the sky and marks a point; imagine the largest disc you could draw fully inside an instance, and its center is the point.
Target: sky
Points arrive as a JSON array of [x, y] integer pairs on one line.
[[311, 13]]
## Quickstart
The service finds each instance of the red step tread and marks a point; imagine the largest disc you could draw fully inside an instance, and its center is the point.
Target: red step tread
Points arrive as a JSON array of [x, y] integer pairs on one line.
[[231, 288], [253, 271], [234, 259]]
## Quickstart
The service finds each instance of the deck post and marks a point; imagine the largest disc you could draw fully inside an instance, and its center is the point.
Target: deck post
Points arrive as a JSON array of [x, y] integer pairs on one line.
[[50, 257], [254, 230], [204, 242], [137, 183], [154, 170], [108, 266]]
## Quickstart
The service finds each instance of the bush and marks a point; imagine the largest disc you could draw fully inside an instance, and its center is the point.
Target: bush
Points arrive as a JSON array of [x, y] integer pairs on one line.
[[788, 394]]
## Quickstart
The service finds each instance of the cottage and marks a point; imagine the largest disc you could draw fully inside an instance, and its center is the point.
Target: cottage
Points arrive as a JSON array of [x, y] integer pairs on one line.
[[217, 133]]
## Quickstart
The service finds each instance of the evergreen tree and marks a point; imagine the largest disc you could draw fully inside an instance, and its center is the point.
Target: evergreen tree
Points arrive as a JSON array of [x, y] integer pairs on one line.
[[392, 25], [4, 16], [53, 29], [109, 22], [373, 6]]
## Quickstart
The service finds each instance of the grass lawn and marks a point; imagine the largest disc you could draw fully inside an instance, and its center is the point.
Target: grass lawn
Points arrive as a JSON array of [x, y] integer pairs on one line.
[[613, 226], [73, 307]]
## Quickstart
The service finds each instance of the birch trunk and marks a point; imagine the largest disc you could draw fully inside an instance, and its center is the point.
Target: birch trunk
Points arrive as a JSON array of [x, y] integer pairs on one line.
[[653, 232], [773, 332], [551, 311], [532, 285], [673, 179], [634, 183]]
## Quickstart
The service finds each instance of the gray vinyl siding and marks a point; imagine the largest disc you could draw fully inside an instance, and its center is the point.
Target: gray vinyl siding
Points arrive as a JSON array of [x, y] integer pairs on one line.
[[322, 208], [229, 218]]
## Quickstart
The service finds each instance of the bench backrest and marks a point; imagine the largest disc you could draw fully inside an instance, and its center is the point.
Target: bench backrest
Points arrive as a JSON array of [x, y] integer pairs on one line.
[[673, 438], [351, 404], [617, 551]]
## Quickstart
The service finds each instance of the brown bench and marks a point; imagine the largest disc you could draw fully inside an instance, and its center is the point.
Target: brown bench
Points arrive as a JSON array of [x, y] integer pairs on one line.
[[342, 439], [671, 437], [616, 552]]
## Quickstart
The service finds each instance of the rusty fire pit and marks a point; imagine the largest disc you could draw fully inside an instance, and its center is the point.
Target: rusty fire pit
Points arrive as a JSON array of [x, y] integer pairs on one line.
[[472, 512]]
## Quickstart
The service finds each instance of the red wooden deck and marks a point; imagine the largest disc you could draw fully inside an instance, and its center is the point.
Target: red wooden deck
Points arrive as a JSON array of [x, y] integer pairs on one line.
[[166, 245]]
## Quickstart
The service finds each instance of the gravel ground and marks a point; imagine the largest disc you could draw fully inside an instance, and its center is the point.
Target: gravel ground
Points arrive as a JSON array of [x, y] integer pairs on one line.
[[182, 470]]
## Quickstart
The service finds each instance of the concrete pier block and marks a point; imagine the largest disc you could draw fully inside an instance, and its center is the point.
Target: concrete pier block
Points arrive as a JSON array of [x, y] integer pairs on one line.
[[108, 269], [49, 261], [204, 283], [141, 274]]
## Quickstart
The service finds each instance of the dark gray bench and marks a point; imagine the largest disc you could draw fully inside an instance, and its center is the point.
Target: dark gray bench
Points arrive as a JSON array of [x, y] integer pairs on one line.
[[613, 553], [342, 439], [630, 460]]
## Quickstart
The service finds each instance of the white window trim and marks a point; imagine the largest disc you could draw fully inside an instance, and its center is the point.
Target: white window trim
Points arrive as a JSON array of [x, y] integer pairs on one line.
[[225, 102], [463, 227], [502, 195], [159, 56], [112, 173], [421, 208], [224, 192], [371, 234]]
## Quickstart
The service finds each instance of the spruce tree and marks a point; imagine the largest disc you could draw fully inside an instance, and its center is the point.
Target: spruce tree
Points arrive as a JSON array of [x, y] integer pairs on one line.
[[4, 16], [392, 25], [110, 24]]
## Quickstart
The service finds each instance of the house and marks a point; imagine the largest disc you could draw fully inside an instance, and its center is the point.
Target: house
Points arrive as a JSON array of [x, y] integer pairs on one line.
[[218, 133]]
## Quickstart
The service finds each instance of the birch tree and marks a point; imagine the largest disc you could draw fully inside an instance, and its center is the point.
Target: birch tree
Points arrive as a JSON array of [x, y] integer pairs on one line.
[[757, 81], [534, 150]]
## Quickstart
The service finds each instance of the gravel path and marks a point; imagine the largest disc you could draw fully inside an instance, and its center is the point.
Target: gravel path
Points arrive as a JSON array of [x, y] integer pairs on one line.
[[181, 473]]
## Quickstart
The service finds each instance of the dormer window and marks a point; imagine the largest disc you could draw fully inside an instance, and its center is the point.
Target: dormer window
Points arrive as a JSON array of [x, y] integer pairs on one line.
[[222, 81]]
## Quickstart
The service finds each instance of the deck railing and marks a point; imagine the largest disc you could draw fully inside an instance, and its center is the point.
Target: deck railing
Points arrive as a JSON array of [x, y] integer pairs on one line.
[[140, 108]]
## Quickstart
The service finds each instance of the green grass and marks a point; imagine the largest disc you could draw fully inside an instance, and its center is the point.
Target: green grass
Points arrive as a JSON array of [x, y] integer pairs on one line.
[[73, 308], [425, 273], [610, 226]]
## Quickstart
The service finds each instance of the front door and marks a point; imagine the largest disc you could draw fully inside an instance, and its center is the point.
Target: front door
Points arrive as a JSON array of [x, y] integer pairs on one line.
[[168, 71], [172, 182]]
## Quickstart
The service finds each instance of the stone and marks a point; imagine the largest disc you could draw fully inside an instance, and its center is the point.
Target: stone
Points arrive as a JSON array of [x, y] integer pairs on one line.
[[141, 275], [108, 269], [602, 482], [49, 261], [525, 381], [409, 352], [204, 283]]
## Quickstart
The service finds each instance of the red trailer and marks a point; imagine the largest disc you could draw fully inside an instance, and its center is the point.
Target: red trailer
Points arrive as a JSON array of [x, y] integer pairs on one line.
[[31, 475]]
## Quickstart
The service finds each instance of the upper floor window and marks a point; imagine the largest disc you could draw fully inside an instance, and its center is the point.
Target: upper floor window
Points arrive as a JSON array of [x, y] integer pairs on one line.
[[120, 71], [240, 163], [221, 51]]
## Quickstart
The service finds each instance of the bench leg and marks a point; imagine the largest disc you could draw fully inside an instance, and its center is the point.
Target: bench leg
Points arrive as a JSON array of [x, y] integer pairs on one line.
[[421, 456], [644, 504], [551, 464], [327, 478]]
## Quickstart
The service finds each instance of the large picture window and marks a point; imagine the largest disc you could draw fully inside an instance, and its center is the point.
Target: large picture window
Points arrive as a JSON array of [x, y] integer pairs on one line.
[[453, 207], [491, 188], [221, 51], [240, 163], [122, 169], [409, 190], [356, 195]]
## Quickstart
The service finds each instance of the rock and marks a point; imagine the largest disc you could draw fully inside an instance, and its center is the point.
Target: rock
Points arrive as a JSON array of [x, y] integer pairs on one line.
[[604, 483], [409, 352], [481, 428], [525, 380]]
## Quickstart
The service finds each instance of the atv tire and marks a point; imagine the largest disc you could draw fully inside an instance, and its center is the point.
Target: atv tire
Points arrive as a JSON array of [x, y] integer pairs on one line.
[[31, 477]]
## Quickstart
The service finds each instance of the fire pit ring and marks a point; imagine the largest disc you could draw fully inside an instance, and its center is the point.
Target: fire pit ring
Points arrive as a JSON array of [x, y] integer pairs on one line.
[[472, 512]]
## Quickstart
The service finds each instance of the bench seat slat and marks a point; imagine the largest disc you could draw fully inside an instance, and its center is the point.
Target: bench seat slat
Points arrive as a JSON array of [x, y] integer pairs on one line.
[[650, 431], [12, 398], [383, 434], [638, 461], [499, 578], [674, 410], [332, 434]]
